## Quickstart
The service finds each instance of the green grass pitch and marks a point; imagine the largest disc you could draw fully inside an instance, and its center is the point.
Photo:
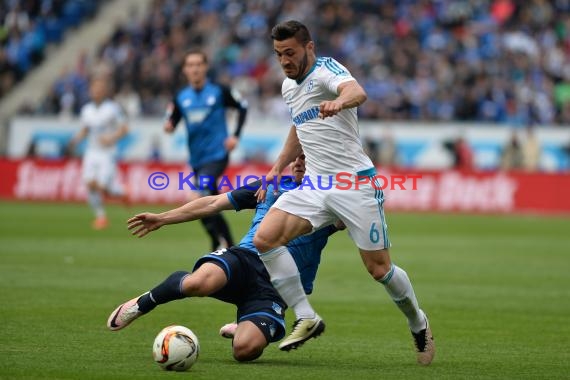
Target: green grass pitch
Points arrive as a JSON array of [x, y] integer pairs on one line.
[[496, 288]]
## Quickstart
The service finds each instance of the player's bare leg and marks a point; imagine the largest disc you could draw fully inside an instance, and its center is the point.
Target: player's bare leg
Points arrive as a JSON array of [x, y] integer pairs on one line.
[[118, 191], [95, 200], [248, 342]]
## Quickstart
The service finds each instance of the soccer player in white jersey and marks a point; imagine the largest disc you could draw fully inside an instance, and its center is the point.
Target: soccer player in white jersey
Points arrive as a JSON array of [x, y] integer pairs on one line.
[[322, 97], [103, 123]]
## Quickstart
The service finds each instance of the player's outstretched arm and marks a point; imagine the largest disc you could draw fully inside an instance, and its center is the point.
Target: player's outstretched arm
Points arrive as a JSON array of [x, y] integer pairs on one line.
[[141, 224]]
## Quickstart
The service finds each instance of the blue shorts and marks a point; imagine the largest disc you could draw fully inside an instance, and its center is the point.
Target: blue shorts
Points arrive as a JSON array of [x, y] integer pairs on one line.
[[206, 176], [250, 289]]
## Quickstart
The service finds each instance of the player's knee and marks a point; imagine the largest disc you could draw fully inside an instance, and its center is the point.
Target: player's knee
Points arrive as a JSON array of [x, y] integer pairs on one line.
[[377, 263], [93, 185], [194, 286], [378, 271], [245, 351], [262, 243]]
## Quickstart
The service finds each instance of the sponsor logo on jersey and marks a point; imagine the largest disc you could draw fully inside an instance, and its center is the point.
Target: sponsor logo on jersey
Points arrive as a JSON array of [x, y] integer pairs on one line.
[[310, 114], [197, 115]]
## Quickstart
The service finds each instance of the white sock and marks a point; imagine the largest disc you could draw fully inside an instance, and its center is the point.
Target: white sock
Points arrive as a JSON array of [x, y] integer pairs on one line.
[[399, 287], [286, 279], [95, 200]]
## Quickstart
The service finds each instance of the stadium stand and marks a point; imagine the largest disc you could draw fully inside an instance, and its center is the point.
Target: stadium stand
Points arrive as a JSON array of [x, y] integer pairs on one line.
[[29, 27], [499, 61]]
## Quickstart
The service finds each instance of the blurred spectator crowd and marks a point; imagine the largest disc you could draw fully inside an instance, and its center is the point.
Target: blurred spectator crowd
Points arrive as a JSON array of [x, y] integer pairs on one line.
[[500, 61], [28, 27]]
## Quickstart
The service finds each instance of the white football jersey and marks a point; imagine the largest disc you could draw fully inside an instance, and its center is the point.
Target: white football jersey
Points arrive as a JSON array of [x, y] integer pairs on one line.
[[331, 145], [100, 120]]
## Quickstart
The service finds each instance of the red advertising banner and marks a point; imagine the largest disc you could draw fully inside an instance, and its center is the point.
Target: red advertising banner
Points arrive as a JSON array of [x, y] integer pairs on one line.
[[480, 192], [483, 192]]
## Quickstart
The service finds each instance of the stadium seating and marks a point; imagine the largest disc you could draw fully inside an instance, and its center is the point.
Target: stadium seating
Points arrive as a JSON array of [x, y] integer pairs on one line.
[[29, 27], [497, 61]]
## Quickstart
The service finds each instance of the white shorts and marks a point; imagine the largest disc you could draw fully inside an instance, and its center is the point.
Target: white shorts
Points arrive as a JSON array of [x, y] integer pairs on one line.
[[360, 209], [100, 168]]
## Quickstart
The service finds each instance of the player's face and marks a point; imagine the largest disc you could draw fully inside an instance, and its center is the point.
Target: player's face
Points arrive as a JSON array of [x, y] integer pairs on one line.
[[298, 168], [98, 90], [195, 69], [295, 58]]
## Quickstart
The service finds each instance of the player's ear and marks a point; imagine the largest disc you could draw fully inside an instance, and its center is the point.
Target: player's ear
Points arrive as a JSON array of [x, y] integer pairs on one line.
[[310, 46]]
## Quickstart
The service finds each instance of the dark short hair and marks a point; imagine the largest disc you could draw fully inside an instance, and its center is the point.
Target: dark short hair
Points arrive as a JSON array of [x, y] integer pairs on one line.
[[196, 52], [290, 29]]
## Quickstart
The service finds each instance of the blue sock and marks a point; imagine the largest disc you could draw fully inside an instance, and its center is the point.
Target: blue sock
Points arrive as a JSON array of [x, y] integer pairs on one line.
[[168, 290]]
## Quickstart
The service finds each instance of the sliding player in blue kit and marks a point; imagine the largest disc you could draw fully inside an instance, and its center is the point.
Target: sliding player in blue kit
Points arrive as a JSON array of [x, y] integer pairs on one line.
[[235, 275]]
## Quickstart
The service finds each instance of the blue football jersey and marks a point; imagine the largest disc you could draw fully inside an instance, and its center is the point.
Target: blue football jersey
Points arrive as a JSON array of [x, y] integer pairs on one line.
[[204, 114], [306, 250]]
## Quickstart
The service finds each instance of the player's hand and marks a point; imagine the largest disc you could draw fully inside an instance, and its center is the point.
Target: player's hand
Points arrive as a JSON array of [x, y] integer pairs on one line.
[[230, 143], [141, 224], [329, 108], [168, 126], [107, 140], [273, 174], [71, 146], [339, 225], [261, 193]]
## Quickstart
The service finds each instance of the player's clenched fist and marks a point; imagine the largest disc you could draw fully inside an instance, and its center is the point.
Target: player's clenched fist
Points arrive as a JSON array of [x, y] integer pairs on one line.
[[329, 108]]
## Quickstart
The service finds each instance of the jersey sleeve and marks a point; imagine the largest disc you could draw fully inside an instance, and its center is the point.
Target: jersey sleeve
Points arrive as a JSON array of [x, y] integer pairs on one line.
[[82, 117], [173, 112], [244, 197], [233, 99], [337, 74], [330, 229], [120, 114]]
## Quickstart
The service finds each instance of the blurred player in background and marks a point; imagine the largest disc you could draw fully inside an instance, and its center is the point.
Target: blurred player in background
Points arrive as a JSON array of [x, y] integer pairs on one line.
[[235, 275], [103, 123], [203, 104], [322, 97]]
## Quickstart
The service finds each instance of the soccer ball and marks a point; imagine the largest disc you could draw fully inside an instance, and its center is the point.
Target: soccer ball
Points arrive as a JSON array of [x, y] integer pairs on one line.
[[176, 348]]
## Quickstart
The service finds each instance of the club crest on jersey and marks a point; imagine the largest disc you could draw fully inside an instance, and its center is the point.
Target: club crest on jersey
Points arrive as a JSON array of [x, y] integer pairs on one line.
[[277, 308], [309, 86]]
